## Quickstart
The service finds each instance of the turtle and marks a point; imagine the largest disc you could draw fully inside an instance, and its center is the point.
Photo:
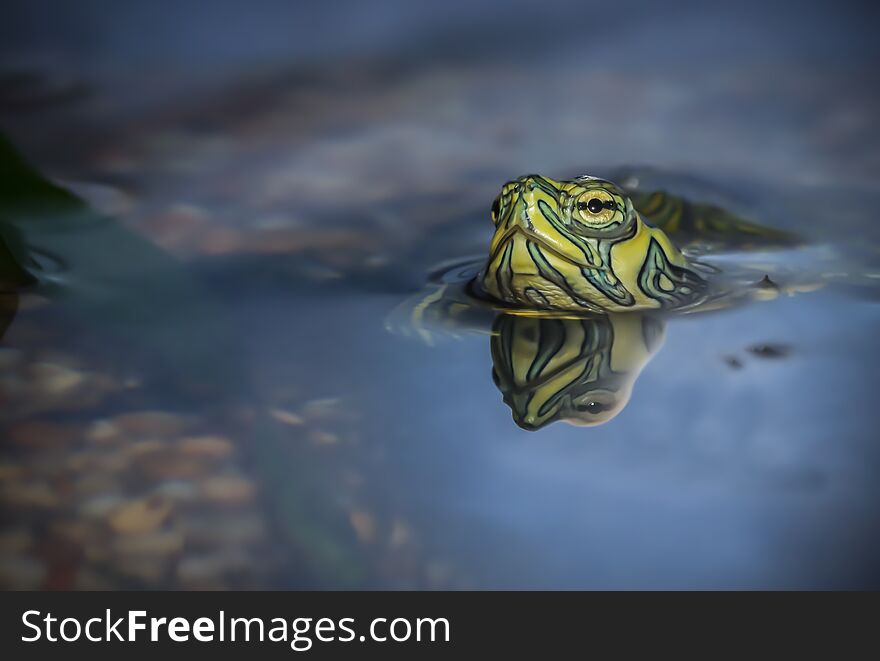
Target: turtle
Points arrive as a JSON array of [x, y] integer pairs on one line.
[[579, 279]]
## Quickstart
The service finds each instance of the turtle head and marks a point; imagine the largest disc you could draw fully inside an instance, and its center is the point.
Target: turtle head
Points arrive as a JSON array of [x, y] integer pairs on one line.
[[580, 245], [561, 215]]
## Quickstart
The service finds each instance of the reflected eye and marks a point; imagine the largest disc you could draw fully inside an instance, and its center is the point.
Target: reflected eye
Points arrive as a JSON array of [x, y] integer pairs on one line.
[[595, 205], [496, 209], [592, 407]]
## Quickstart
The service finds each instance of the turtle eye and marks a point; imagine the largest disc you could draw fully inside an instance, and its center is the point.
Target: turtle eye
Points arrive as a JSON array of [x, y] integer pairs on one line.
[[597, 210], [595, 205], [496, 209]]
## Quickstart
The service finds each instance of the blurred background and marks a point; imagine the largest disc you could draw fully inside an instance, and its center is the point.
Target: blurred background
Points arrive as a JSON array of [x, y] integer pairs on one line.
[[302, 166], [409, 96]]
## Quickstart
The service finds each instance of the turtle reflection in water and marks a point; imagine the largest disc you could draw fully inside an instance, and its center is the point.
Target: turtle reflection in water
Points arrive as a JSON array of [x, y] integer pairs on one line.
[[577, 370], [579, 280]]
